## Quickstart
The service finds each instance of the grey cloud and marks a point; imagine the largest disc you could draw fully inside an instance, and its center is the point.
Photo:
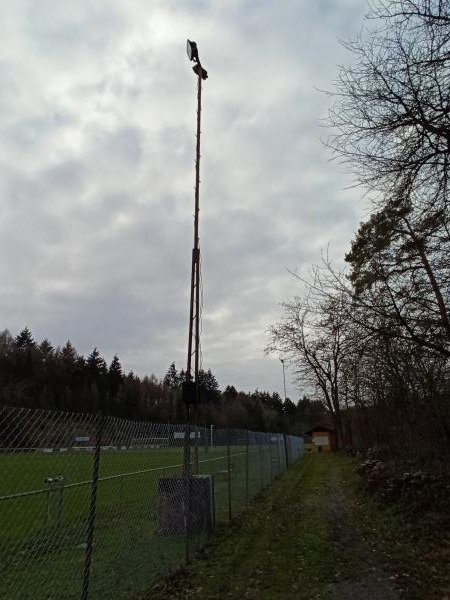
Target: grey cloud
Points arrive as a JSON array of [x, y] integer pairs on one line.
[[122, 146], [97, 173]]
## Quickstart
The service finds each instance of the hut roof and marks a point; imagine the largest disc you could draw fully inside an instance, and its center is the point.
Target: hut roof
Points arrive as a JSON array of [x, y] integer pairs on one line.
[[320, 427]]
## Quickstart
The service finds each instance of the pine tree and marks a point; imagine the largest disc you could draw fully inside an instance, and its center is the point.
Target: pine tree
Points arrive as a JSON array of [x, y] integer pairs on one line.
[[95, 364], [115, 376], [69, 354], [115, 368], [25, 359], [6, 343], [208, 387], [172, 378], [230, 392], [24, 339], [131, 396], [46, 350]]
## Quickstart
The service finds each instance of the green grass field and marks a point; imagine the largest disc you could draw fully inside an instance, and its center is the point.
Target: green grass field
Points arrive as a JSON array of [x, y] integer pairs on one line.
[[42, 535]]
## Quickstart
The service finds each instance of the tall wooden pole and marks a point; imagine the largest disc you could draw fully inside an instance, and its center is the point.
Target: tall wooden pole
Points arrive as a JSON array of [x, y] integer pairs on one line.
[[194, 309]]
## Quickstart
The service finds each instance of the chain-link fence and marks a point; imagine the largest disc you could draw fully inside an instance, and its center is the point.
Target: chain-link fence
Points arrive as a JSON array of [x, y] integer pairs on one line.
[[97, 507]]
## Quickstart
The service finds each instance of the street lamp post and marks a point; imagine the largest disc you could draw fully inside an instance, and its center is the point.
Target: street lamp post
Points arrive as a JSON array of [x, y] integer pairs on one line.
[[285, 416], [190, 385], [284, 380]]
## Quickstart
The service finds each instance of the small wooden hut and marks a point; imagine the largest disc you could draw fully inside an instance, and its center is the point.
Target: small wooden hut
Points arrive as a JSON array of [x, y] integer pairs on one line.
[[322, 439]]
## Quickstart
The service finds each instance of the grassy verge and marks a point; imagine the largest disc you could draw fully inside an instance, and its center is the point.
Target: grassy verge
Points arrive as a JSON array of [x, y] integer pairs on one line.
[[314, 534], [414, 552], [277, 549]]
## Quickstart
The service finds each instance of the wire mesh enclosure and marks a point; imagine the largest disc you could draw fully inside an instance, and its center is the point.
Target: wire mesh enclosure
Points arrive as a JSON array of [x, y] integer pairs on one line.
[[95, 507]]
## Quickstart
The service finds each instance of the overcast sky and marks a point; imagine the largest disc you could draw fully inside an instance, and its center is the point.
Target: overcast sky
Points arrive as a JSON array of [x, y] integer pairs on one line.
[[97, 147]]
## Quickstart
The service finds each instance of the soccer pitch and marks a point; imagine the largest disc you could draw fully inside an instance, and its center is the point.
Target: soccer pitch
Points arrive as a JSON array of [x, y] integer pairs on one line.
[[43, 526]]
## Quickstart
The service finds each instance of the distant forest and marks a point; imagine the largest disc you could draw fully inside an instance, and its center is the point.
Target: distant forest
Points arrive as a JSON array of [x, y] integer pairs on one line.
[[38, 375]]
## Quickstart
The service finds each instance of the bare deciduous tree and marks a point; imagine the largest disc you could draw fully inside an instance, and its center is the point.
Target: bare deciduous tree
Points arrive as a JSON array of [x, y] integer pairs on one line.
[[312, 335]]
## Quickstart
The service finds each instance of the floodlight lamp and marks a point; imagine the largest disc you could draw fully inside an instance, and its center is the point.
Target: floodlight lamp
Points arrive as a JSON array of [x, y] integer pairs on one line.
[[192, 51], [199, 70]]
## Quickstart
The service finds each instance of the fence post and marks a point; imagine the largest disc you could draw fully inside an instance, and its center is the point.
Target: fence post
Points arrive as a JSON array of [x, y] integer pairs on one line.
[[269, 437], [59, 508], [280, 468], [47, 507], [261, 465], [196, 446], [286, 451], [121, 493], [246, 465], [187, 492], [92, 509], [229, 474]]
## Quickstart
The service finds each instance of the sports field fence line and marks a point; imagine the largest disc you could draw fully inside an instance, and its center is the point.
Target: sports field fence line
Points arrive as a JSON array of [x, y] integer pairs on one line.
[[94, 507]]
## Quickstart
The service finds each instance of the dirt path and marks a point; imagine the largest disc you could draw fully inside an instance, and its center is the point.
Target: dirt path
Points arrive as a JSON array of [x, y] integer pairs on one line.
[[305, 538], [361, 577]]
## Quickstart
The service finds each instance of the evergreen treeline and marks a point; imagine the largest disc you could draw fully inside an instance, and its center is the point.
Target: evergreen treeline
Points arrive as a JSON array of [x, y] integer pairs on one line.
[[38, 375]]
